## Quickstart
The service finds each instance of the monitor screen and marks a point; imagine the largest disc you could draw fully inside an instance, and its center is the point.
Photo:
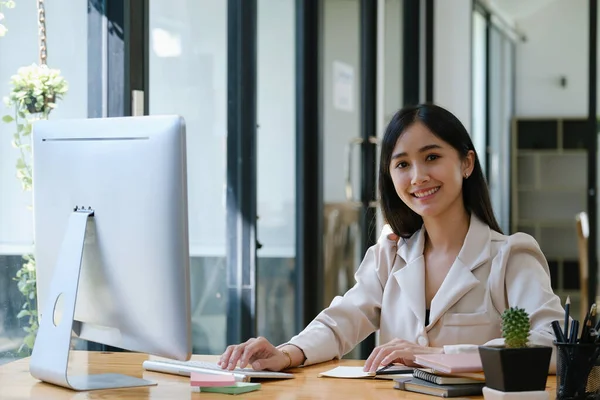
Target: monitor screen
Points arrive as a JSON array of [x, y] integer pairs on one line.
[[133, 290]]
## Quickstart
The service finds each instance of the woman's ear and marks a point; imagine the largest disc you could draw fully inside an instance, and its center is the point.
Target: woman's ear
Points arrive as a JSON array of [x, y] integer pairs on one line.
[[468, 164]]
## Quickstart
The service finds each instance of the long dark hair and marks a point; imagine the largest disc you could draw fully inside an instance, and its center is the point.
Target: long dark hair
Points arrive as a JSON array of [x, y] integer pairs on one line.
[[404, 221]]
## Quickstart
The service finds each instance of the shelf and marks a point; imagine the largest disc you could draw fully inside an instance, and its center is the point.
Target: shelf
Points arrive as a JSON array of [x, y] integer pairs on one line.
[[545, 223], [552, 189], [548, 188], [551, 152]]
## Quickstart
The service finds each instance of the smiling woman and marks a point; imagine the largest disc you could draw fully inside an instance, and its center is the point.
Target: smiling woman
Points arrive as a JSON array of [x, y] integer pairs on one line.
[[436, 152], [441, 272], [427, 174]]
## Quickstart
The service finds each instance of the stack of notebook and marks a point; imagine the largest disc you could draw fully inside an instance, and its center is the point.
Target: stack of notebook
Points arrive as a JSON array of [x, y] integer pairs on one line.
[[220, 384], [445, 375]]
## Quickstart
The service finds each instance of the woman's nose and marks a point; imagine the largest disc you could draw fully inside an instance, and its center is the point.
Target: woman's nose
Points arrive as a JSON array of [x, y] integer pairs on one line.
[[420, 175]]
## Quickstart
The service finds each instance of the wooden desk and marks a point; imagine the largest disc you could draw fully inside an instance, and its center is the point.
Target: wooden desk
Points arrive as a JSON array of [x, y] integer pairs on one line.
[[17, 383]]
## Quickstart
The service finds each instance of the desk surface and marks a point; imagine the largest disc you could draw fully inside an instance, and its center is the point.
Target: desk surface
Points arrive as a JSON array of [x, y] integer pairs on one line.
[[17, 383]]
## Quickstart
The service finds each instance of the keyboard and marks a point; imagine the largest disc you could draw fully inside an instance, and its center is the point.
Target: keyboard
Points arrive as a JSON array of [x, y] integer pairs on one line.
[[184, 368]]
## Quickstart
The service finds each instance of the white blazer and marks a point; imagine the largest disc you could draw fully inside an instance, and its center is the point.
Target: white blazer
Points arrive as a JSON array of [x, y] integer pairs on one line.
[[492, 272]]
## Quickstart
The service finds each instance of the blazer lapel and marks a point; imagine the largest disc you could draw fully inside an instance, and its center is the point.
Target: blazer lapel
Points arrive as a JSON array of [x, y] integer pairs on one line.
[[460, 279], [411, 278]]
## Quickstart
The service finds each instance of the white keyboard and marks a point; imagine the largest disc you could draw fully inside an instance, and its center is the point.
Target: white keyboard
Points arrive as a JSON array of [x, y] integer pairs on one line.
[[184, 368]]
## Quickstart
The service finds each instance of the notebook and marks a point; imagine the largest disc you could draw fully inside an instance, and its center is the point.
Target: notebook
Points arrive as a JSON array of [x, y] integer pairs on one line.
[[238, 388], [390, 372], [206, 380], [442, 379], [478, 376], [420, 386], [451, 363]]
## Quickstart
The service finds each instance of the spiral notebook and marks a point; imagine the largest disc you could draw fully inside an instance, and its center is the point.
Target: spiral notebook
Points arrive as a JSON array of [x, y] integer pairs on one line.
[[443, 379], [417, 385]]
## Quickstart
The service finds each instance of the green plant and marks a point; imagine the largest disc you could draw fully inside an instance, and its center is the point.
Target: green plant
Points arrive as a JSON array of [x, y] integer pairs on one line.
[[35, 89], [7, 4], [515, 327], [26, 282]]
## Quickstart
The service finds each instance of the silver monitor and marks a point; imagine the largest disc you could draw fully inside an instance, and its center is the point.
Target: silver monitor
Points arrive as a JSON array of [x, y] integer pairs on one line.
[[111, 241]]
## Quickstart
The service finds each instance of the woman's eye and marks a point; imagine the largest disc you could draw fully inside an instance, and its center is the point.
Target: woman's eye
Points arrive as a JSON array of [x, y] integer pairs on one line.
[[432, 157], [402, 164]]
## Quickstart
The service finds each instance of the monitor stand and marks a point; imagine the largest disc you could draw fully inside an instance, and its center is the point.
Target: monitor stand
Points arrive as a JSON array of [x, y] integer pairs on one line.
[[50, 358]]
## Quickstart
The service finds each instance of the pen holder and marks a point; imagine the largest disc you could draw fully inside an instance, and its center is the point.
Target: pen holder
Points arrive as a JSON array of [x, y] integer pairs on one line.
[[577, 372]]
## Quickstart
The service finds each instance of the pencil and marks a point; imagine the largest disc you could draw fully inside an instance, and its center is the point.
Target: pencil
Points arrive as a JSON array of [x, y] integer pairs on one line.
[[586, 325]]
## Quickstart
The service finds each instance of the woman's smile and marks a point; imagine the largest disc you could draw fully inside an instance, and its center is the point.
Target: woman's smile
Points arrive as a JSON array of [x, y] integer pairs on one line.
[[425, 193]]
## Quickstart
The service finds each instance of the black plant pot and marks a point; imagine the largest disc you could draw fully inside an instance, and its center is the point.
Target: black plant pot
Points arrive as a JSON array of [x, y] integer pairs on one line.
[[32, 108], [515, 370]]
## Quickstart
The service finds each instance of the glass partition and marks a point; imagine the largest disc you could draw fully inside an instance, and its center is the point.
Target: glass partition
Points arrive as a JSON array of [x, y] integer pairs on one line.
[[67, 51], [188, 76]]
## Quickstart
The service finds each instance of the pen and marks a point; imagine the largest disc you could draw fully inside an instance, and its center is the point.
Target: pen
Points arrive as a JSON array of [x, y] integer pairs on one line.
[[567, 309], [574, 331], [587, 324], [380, 370], [593, 315], [390, 370], [560, 337]]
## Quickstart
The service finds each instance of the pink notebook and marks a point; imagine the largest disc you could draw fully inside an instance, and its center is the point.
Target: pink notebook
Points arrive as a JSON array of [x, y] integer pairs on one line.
[[211, 380], [451, 363]]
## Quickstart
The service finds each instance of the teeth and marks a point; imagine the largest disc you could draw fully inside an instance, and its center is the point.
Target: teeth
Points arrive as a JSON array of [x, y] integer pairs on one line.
[[427, 193]]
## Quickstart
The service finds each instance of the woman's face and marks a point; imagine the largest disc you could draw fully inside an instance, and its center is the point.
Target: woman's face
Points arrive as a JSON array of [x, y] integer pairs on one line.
[[427, 172]]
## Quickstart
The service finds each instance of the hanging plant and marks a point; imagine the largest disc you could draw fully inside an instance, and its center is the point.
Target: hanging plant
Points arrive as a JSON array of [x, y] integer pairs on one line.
[[35, 91], [3, 4]]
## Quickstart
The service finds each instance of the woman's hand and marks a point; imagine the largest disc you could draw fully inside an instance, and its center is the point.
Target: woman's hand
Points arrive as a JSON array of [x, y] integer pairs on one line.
[[397, 350], [257, 352]]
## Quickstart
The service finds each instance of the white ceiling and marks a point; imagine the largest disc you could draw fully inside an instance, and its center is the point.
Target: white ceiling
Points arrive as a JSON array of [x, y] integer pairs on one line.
[[518, 9]]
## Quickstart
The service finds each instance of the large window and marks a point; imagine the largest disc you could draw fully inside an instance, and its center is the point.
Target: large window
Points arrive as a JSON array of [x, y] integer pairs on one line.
[[493, 106], [188, 76], [276, 164], [478, 130], [501, 98], [68, 52]]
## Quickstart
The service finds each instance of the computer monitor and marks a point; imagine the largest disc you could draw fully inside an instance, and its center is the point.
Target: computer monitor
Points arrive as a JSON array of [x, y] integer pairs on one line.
[[111, 241]]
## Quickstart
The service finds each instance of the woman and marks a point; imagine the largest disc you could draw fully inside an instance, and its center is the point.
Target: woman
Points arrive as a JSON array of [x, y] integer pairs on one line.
[[441, 273]]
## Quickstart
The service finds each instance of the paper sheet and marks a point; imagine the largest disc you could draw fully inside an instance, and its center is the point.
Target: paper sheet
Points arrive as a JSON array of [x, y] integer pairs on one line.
[[347, 372]]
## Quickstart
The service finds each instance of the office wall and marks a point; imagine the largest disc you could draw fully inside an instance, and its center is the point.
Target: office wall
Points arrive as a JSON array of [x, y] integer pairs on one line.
[[340, 71], [276, 135], [557, 45], [452, 58], [66, 51], [392, 59]]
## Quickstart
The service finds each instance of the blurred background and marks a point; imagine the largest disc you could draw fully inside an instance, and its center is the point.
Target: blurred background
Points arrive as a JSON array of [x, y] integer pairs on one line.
[[285, 102]]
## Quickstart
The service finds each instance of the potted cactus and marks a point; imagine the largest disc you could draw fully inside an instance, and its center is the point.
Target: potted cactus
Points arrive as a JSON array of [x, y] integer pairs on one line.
[[516, 366]]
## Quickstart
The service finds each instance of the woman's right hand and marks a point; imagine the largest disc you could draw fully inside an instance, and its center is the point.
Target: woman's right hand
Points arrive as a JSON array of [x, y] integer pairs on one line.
[[258, 352]]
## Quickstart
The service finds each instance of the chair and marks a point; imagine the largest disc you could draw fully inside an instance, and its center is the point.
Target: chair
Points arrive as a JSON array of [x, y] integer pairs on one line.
[[583, 232], [340, 231]]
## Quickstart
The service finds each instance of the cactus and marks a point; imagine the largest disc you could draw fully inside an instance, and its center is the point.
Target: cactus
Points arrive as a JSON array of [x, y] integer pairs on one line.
[[515, 327]]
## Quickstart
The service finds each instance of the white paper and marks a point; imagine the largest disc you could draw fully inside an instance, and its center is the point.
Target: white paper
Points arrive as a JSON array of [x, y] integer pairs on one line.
[[343, 86], [347, 372]]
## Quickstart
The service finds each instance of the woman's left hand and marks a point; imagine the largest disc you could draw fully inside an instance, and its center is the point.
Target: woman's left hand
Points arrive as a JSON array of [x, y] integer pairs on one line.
[[397, 350]]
